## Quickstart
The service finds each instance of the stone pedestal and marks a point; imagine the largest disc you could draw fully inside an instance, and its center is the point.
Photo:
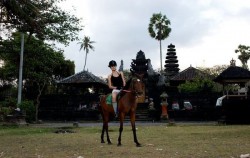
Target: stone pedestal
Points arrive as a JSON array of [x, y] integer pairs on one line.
[[15, 120]]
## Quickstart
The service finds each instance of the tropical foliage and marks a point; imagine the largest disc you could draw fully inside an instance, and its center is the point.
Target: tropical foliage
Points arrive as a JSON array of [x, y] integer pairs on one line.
[[244, 55], [43, 65], [200, 85], [39, 21], [43, 19], [86, 45], [159, 29], [30, 110], [214, 71]]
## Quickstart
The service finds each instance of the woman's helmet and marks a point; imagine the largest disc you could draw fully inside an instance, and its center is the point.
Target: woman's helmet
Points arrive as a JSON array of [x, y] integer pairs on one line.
[[112, 63]]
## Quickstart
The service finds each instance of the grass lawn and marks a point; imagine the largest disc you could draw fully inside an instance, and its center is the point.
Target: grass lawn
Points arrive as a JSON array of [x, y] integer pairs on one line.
[[179, 141]]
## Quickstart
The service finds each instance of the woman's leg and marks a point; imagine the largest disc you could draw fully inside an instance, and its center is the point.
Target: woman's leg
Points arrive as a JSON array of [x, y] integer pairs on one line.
[[114, 103]]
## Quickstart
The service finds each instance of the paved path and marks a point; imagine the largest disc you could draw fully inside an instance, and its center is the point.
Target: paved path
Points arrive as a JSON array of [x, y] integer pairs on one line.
[[93, 124]]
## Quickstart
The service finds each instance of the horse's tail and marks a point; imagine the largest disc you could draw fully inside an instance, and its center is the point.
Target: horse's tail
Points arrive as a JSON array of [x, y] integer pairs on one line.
[[102, 98], [102, 101]]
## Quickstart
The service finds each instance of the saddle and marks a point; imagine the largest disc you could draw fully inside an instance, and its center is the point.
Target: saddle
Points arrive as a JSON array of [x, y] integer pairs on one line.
[[109, 99]]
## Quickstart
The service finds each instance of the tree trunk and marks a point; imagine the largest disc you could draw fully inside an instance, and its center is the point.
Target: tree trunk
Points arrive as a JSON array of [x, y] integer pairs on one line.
[[85, 60], [161, 56], [40, 89]]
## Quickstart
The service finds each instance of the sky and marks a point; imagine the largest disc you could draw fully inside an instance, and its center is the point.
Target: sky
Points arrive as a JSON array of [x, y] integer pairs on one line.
[[205, 32]]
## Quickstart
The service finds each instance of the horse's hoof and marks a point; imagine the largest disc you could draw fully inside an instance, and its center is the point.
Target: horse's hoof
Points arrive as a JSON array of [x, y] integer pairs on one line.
[[109, 143], [138, 145], [102, 141], [119, 144]]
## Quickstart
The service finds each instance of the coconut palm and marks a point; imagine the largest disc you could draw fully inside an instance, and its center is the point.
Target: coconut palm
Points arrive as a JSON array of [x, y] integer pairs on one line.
[[86, 44], [159, 29]]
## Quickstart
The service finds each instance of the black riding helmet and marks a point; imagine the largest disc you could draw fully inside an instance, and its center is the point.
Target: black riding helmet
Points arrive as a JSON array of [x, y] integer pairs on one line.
[[112, 63]]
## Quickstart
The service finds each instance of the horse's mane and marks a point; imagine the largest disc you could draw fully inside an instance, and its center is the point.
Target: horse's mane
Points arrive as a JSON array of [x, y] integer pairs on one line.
[[126, 87]]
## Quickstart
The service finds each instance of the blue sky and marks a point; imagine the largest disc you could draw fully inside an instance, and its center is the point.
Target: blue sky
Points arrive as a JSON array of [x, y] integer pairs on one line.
[[205, 33]]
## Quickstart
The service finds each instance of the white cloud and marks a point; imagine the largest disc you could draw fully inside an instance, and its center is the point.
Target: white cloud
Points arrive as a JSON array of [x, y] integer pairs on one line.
[[205, 33]]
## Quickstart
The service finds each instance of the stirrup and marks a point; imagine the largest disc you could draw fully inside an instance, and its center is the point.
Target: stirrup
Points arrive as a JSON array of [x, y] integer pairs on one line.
[[116, 115]]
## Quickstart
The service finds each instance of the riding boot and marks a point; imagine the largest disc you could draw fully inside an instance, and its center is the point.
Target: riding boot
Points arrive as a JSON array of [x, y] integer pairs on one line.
[[115, 108]]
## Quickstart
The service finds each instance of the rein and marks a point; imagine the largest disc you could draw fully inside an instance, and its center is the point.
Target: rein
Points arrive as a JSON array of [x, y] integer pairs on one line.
[[127, 91], [131, 87]]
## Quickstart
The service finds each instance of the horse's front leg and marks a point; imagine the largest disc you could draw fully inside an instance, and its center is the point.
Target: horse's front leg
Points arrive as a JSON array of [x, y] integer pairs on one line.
[[122, 115], [132, 120]]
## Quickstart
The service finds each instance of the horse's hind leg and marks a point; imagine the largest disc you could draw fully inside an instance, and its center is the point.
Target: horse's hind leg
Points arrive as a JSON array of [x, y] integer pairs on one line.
[[107, 132], [105, 129], [102, 135]]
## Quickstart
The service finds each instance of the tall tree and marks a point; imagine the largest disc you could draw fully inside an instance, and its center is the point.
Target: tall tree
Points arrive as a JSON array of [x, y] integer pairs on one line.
[[244, 55], [213, 71], [86, 45], [43, 65], [14, 15], [159, 29], [43, 19]]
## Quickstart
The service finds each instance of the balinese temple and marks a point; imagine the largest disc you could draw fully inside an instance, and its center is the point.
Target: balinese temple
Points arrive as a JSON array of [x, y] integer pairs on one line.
[[140, 64], [77, 98], [188, 74], [234, 104], [234, 75], [171, 66], [83, 78], [121, 66]]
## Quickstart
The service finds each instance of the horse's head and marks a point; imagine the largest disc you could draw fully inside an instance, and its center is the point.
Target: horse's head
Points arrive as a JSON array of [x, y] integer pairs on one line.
[[137, 84]]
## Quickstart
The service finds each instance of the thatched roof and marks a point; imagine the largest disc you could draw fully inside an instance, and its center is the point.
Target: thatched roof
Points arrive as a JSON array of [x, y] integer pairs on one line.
[[233, 74], [83, 77], [188, 74]]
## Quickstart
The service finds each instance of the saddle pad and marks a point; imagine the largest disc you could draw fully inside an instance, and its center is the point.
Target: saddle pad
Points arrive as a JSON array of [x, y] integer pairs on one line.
[[109, 99]]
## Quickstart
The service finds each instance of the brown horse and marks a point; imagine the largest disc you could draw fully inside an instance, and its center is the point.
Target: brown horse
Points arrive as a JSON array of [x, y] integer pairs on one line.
[[126, 104]]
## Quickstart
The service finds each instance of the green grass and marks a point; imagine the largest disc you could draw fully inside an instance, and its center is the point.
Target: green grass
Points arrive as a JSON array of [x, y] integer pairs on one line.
[[180, 141]]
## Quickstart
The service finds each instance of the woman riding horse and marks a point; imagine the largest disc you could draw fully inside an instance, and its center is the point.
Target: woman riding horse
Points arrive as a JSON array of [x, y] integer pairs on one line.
[[115, 82], [127, 103]]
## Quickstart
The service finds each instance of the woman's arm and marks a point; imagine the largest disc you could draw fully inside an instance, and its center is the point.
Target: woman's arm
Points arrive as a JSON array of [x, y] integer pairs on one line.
[[109, 83]]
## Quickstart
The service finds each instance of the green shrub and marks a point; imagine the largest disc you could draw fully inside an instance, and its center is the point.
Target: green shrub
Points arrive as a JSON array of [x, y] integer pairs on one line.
[[9, 102], [7, 107], [4, 111], [29, 109]]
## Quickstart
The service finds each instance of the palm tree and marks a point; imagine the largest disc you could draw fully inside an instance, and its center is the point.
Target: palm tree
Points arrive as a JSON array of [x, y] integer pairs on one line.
[[159, 29], [86, 44]]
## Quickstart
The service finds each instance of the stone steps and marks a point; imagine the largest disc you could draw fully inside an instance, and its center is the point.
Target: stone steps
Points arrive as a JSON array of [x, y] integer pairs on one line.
[[141, 113]]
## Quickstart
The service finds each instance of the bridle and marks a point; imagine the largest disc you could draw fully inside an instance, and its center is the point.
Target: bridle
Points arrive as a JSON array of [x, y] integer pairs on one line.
[[132, 87]]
